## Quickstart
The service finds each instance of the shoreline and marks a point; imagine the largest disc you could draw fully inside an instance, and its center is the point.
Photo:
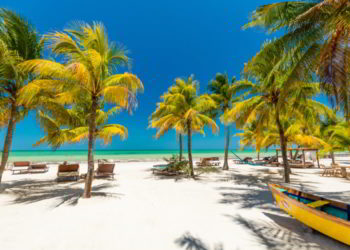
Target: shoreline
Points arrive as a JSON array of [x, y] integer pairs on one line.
[[132, 155], [54, 158], [81, 156]]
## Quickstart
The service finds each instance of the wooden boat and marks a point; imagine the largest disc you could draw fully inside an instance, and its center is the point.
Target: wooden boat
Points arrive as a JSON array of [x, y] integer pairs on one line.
[[329, 217]]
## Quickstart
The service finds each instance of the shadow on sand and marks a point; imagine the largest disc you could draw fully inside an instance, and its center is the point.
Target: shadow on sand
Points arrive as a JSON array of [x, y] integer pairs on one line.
[[31, 191], [199, 175], [288, 234], [252, 190], [189, 242], [284, 232]]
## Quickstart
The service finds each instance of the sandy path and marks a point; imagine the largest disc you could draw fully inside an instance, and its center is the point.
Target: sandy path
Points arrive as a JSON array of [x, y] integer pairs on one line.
[[232, 210]]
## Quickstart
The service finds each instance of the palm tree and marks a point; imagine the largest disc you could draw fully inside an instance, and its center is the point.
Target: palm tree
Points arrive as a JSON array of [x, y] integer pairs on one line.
[[224, 97], [164, 109], [333, 134], [184, 111], [18, 42], [321, 28], [64, 125], [339, 139], [277, 91], [301, 126], [252, 135], [90, 63]]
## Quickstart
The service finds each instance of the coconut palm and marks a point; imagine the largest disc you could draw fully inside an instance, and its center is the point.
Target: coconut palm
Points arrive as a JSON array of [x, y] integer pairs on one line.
[[18, 42], [332, 133], [224, 97], [254, 136], [301, 126], [88, 70], [321, 28], [64, 125], [277, 91], [164, 109], [185, 111], [338, 137]]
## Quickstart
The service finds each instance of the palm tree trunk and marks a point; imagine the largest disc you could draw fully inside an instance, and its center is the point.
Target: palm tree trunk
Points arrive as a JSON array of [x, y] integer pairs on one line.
[[227, 145], [189, 140], [181, 146], [92, 128], [283, 148], [258, 155], [8, 140], [333, 158]]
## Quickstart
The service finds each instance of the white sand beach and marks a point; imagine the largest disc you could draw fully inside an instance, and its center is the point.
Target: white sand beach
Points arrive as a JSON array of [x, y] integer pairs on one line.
[[138, 210]]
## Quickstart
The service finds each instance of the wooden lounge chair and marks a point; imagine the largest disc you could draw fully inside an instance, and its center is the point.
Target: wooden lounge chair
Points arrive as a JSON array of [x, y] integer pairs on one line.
[[274, 163], [331, 171], [164, 170], [68, 171], [208, 162], [20, 167], [344, 173], [301, 165], [336, 171], [170, 169], [38, 168], [105, 170]]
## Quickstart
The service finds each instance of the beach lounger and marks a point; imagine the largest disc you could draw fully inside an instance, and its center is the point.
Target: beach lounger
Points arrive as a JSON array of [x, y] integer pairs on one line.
[[239, 160], [164, 169], [274, 164], [20, 167], [105, 170], [208, 162], [68, 171], [249, 161], [301, 165], [336, 171], [38, 168], [170, 169]]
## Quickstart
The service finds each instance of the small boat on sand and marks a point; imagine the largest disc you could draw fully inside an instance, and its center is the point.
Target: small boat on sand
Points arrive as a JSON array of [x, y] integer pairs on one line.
[[329, 217]]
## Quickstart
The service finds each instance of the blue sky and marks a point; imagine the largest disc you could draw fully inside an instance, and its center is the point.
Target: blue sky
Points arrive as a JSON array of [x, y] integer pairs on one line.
[[166, 39]]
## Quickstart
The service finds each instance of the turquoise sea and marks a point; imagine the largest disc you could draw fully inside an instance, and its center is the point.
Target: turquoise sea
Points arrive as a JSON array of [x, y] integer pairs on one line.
[[123, 155]]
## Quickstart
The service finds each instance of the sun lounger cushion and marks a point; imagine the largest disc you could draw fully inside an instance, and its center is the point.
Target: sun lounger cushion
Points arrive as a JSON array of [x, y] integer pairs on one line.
[[71, 170], [20, 167], [68, 168], [105, 170], [38, 168], [21, 164]]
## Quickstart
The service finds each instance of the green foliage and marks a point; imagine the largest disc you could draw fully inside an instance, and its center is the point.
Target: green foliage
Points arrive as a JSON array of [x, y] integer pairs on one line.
[[180, 107], [177, 165], [19, 35], [70, 125], [87, 76], [222, 92], [321, 30], [18, 42]]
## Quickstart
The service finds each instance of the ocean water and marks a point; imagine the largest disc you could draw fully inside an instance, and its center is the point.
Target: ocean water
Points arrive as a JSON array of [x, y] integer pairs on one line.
[[122, 155]]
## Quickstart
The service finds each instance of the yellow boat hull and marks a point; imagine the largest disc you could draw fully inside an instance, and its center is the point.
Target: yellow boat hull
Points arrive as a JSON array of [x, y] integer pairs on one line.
[[329, 225]]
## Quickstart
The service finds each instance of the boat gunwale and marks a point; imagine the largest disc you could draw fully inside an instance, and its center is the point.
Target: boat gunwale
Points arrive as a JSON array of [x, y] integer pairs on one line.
[[309, 209]]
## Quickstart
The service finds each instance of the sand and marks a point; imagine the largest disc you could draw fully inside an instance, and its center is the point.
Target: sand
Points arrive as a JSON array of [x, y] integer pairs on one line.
[[225, 210]]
